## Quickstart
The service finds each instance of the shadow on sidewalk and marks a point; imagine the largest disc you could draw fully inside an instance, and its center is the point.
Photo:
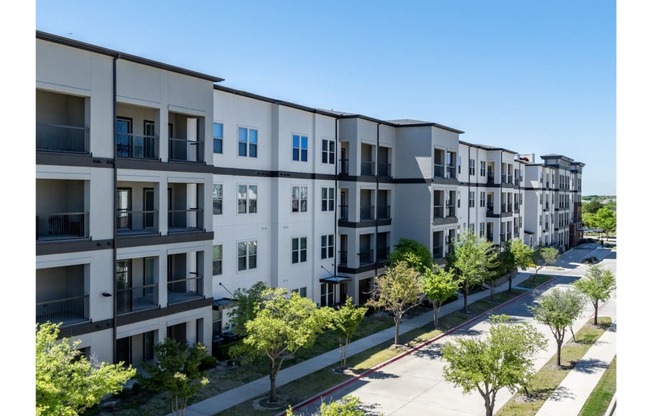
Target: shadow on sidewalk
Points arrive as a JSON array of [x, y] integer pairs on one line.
[[590, 366]]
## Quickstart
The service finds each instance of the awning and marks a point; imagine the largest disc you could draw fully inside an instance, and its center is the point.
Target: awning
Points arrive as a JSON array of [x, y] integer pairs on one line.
[[223, 303], [335, 279]]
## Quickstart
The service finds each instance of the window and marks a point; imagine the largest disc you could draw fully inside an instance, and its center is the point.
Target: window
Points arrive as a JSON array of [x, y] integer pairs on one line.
[[247, 142], [328, 151], [299, 199], [247, 255], [459, 199], [247, 199], [217, 260], [482, 228], [299, 148], [328, 199], [483, 168], [327, 246], [471, 199], [471, 166], [472, 228], [218, 135], [482, 199], [299, 250], [217, 199], [459, 164], [302, 291]]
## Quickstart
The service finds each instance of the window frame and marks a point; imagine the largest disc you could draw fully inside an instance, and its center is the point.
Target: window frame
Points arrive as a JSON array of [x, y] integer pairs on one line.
[[328, 153], [483, 168], [300, 206], [471, 199], [219, 140], [248, 244], [221, 199], [247, 201], [329, 201], [301, 250], [301, 153], [248, 142], [220, 260], [472, 167], [327, 246]]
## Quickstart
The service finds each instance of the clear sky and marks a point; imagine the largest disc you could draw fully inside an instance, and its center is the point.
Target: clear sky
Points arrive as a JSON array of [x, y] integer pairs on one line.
[[532, 77]]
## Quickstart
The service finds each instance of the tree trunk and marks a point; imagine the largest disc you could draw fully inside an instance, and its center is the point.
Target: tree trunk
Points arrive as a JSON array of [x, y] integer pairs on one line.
[[488, 406], [595, 316], [511, 276], [397, 321], [466, 304], [435, 313], [272, 384], [559, 353]]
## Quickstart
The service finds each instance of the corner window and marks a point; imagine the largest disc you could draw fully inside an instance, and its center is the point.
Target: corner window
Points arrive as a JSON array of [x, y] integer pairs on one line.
[[299, 250], [218, 136], [247, 142], [299, 199], [247, 199], [299, 148]]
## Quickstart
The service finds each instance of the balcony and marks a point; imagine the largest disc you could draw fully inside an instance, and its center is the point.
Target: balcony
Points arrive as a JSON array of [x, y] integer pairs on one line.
[[344, 258], [136, 222], [344, 167], [70, 310], [383, 254], [490, 178], [368, 168], [366, 257], [186, 220], [517, 208], [503, 179], [344, 212], [450, 171], [185, 289], [61, 226], [137, 146], [366, 213], [186, 150], [439, 171], [137, 298], [437, 252], [509, 208], [490, 236], [438, 211], [385, 169], [63, 139], [450, 211], [384, 212]]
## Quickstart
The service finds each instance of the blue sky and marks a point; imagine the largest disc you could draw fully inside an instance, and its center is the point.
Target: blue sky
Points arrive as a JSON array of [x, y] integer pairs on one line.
[[533, 77]]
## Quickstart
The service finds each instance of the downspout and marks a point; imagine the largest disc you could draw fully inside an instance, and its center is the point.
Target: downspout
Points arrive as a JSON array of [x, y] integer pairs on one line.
[[115, 204], [500, 216], [335, 235], [377, 187], [468, 191]]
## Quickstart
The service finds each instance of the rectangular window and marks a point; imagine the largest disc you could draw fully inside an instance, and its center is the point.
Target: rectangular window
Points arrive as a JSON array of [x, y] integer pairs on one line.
[[299, 250], [328, 199], [472, 228], [247, 142], [471, 166], [218, 136], [483, 168], [471, 199], [217, 260], [482, 199], [328, 151], [482, 229], [247, 199], [302, 291], [299, 199], [217, 199], [327, 246], [299, 148], [247, 251]]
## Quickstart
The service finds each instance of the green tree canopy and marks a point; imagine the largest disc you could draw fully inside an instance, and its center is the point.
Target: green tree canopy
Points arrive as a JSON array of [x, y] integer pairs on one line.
[[398, 291], [597, 285], [247, 301], [605, 219], [505, 358], [415, 254], [345, 322], [283, 325], [348, 406], [438, 285], [592, 206], [588, 219], [67, 383], [558, 310], [543, 257]]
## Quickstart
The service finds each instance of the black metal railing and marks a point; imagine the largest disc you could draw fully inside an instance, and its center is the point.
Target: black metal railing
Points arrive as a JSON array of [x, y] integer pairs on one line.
[[450, 170], [137, 298], [66, 139], [490, 236], [344, 212], [136, 146], [439, 171], [344, 258], [367, 168], [344, 166], [67, 310], [367, 212], [136, 221], [382, 254], [438, 211], [192, 218], [437, 252], [366, 257], [490, 178], [186, 150], [187, 288], [62, 225], [384, 212], [384, 169], [450, 210]]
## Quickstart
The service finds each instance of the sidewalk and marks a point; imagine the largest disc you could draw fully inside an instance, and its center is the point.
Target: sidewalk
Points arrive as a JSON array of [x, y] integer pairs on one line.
[[259, 387]]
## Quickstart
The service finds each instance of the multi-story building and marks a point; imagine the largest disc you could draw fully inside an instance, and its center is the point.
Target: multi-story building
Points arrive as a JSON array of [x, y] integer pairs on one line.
[[160, 193]]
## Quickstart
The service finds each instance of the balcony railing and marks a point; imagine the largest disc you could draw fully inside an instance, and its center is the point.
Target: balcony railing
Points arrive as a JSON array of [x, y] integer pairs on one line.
[[344, 166], [490, 208], [68, 310], [384, 169], [438, 211], [368, 168], [61, 226], [384, 212], [503, 178], [136, 146], [188, 288], [367, 212], [490, 178], [437, 252], [136, 222], [503, 208], [450, 211], [344, 212], [509, 208], [186, 219], [517, 208], [439, 171], [344, 258], [137, 298], [366, 257], [65, 139], [382, 254], [186, 150], [503, 237], [450, 170], [509, 178], [490, 236]]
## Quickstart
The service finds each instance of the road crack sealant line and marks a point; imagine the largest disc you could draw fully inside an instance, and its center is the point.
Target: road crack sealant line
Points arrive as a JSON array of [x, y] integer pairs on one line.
[[365, 373]]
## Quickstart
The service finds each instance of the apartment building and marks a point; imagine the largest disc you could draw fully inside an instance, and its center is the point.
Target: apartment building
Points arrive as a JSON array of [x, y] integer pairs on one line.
[[160, 192]]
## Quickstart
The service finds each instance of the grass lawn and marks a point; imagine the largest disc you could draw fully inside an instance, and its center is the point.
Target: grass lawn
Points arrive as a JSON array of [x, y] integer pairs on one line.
[[599, 400], [550, 376], [531, 283]]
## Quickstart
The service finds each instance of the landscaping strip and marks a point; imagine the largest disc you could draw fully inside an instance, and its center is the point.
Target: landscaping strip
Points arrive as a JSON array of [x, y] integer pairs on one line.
[[598, 402]]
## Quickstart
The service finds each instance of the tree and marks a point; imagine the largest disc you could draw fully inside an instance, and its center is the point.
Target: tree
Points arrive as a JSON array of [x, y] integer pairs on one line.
[[176, 371], [592, 206], [347, 406], [67, 382], [558, 309], [438, 286], [522, 257], [398, 291], [505, 358], [471, 261], [597, 284], [246, 303], [589, 220], [605, 219], [345, 322], [543, 257], [283, 325], [415, 254]]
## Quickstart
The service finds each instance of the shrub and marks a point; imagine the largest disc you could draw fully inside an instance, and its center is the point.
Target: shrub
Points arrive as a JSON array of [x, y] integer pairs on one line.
[[207, 362]]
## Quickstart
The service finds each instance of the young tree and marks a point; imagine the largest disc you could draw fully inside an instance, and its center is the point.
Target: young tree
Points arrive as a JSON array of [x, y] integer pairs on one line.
[[543, 257], [597, 284], [438, 285], [605, 219], [398, 291], [348, 406], [345, 322], [558, 310], [521, 255], [283, 325], [67, 383], [471, 262], [246, 302], [505, 358], [176, 371], [415, 254]]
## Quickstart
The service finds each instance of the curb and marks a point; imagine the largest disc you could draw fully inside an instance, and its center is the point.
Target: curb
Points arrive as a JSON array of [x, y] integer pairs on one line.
[[410, 351], [612, 406]]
